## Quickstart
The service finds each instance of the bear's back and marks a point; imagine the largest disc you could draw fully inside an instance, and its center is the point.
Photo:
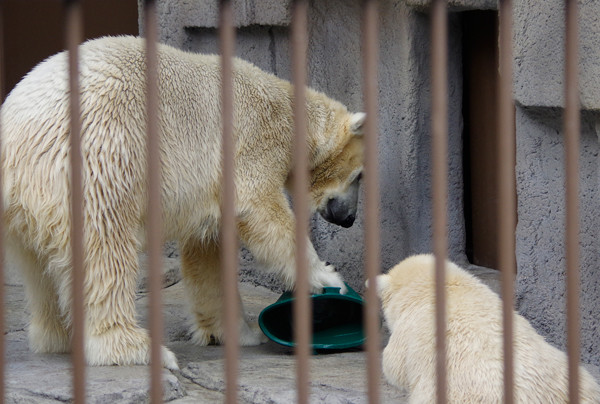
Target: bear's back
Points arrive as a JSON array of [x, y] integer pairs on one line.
[[474, 344]]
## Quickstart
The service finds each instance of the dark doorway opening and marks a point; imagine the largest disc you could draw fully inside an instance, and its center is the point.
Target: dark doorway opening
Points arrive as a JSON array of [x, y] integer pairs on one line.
[[480, 78], [35, 29]]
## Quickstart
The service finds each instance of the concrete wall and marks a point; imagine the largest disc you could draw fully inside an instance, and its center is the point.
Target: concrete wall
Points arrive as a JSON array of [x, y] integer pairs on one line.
[[539, 94], [404, 118], [540, 287], [404, 96]]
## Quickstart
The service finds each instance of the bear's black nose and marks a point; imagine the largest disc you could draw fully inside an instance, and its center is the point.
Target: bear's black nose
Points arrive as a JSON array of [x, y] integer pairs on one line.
[[337, 213], [348, 221]]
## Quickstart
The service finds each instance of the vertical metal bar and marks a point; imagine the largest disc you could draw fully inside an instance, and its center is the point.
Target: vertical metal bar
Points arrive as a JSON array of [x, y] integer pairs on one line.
[[572, 128], [154, 212], [507, 190], [302, 309], [371, 186], [229, 243], [1, 52], [2, 307], [73, 39], [439, 113]]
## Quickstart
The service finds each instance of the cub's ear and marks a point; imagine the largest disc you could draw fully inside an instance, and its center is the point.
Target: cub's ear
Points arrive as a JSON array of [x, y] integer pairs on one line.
[[382, 282], [357, 123]]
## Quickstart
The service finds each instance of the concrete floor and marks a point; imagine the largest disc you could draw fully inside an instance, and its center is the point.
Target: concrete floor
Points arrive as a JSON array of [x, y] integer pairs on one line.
[[267, 372]]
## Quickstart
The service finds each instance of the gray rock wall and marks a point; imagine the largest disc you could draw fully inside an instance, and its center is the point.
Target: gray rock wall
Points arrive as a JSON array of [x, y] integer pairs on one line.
[[539, 53], [404, 129], [539, 94], [540, 288]]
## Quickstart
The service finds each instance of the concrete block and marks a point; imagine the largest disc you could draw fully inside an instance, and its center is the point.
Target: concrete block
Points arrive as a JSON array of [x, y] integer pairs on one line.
[[205, 13], [177, 16], [540, 287], [265, 46], [539, 53], [456, 5]]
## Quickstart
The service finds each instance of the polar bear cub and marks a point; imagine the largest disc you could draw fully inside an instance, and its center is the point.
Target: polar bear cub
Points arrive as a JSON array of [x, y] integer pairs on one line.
[[473, 339], [36, 186]]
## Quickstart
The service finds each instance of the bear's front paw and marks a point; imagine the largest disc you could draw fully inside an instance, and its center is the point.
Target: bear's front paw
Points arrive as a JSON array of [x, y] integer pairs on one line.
[[251, 335], [327, 276]]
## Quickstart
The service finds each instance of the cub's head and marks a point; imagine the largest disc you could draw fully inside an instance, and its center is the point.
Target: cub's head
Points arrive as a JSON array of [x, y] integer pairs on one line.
[[412, 269], [413, 280], [334, 182], [406, 278]]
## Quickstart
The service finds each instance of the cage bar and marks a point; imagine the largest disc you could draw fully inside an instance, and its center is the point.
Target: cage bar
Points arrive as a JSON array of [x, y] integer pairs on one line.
[[229, 242], [572, 126], [301, 309], [2, 73], [506, 192], [154, 213], [371, 189], [2, 291], [74, 34], [439, 126]]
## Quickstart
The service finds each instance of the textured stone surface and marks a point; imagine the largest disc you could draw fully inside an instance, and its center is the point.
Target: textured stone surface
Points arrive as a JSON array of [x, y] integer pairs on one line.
[[327, 385], [540, 232], [539, 53], [178, 16], [267, 373], [33, 378], [404, 129], [539, 80], [456, 5]]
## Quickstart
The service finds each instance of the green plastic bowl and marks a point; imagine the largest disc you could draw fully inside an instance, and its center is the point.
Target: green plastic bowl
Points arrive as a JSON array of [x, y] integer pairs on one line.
[[337, 320]]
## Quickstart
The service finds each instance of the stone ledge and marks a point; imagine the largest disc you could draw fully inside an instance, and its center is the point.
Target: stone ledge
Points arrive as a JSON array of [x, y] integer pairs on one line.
[[539, 53], [205, 13], [455, 5]]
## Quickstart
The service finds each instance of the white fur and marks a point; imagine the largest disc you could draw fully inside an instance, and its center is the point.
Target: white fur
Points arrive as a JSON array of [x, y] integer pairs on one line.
[[473, 338], [36, 185], [357, 122]]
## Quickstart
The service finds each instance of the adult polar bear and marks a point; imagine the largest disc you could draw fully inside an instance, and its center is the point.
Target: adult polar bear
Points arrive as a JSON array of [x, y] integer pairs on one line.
[[35, 175]]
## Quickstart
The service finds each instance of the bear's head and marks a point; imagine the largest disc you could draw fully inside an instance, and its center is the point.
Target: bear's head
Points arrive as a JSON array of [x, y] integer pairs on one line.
[[413, 280], [413, 275], [334, 182]]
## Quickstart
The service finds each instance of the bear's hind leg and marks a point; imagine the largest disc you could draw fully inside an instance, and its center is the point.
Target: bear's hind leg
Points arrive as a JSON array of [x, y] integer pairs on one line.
[[112, 336], [201, 269], [47, 332]]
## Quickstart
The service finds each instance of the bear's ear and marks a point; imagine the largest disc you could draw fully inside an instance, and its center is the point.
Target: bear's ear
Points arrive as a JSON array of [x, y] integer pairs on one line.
[[357, 123], [382, 282]]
